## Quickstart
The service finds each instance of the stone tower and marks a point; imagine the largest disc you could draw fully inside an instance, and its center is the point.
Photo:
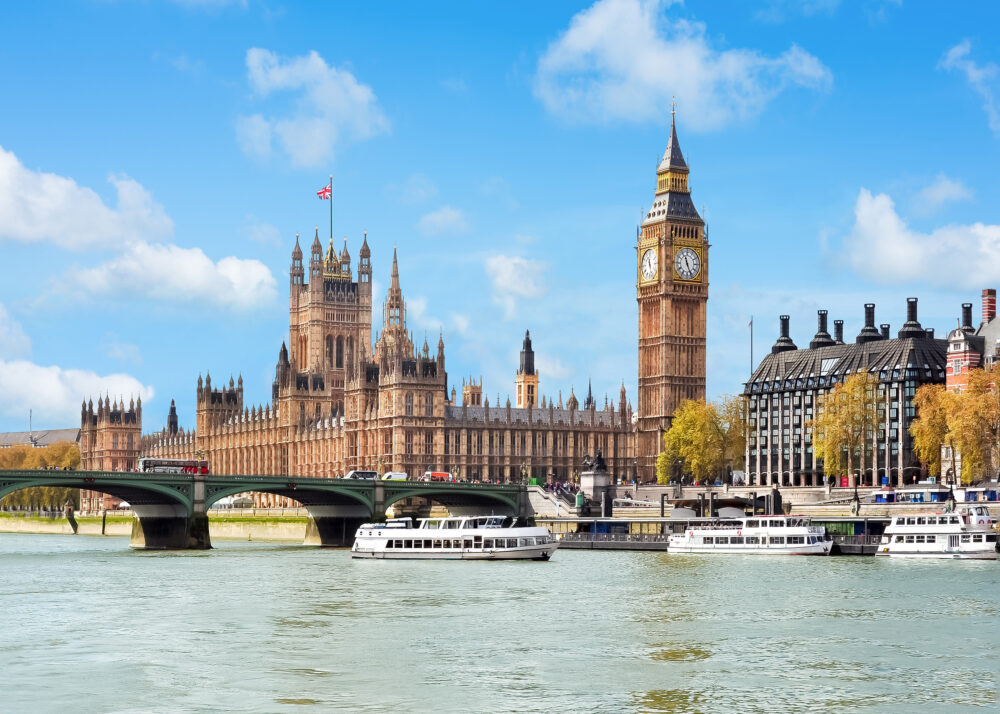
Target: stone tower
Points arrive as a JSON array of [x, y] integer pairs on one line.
[[526, 380], [109, 435], [672, 291]]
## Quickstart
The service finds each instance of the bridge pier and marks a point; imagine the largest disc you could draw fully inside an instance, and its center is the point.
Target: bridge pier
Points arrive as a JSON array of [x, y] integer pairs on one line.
[[334, 525], [162, 527]]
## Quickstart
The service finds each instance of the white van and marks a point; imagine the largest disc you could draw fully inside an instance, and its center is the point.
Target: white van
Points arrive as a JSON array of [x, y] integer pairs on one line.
[[370, 475], [395, 476]]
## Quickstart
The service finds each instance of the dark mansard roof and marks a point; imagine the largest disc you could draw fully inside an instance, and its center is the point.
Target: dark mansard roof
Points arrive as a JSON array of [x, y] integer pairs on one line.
[[539, 415], [820, 367]]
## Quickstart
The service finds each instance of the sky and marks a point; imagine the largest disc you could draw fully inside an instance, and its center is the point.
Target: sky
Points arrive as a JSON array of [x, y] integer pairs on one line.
[[157, 159]]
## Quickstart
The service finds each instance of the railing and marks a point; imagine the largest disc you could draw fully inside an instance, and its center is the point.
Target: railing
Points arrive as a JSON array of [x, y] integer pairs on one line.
[[614, 537], [857, 539]]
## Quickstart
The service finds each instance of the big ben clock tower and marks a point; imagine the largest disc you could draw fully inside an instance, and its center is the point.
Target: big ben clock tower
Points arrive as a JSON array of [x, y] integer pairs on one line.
[[672, 291]]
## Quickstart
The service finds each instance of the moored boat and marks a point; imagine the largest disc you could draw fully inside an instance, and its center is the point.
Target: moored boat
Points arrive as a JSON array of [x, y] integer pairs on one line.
[[964, 534], [759, 535], [455, 538]]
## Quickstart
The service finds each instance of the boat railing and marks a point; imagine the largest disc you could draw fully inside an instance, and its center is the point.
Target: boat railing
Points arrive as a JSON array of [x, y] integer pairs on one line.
[[857, 539], [615, 537]]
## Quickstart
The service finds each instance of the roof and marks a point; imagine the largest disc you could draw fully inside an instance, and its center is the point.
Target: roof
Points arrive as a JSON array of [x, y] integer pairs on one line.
[[881, 357], [672, 204], [672, 157], [41, 437]]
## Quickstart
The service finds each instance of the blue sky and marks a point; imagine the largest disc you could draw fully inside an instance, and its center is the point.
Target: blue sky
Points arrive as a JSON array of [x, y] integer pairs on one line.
[[159, 157]]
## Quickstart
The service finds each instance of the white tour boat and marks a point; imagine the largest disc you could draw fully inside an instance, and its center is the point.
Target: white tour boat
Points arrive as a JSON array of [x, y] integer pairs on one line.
[[965, 534], [760, 535], [456, 538]]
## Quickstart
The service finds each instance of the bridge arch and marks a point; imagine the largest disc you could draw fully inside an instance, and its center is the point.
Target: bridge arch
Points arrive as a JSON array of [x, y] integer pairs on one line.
[[311, 496], [134, 489], [461, 498]]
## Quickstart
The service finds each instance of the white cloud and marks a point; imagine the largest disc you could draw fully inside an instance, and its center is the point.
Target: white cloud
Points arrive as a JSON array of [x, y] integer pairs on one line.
[[779, 10], [332, 107], [942, 191], [13, 342], [514, 278], [418, 189], [443, 221], [982, 79], [882, 247], [121, 351], [54, 394], [622, 60], [37, 206], [552, 367], [168, 272], [262, 232], [460, 323], [416, 315]]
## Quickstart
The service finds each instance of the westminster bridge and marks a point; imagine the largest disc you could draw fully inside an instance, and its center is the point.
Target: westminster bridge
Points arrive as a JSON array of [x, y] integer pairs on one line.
[[171, 510]]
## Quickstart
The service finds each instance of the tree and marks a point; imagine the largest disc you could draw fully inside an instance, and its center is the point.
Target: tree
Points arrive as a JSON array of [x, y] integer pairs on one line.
[[734, 421], [845, 424], [975, 426], [696, 438], [61, 454], [932, 429]]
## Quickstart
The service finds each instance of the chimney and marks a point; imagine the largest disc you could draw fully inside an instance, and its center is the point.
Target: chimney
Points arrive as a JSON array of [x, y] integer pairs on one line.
[[912, 327], [930, 333], [967, 317], [989, 304], [784, 342], [869, 332], [822, 338], [838, 331], [885, 330]]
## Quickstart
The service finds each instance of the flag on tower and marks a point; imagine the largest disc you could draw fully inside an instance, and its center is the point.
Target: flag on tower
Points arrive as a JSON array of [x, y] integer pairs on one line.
[[325, 192]]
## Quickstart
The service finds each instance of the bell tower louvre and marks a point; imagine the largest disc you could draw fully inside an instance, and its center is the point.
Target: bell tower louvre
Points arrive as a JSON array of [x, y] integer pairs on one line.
[[672, 292]]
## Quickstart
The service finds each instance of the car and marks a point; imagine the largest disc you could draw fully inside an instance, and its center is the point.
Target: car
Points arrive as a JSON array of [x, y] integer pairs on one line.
[[370, 475], [395, 476]]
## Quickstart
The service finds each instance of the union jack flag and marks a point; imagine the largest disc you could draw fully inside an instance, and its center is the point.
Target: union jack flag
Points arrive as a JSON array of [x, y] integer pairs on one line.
[[325, 192]]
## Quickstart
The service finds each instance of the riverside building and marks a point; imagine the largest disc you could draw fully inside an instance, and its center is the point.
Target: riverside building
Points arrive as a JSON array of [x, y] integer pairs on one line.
[[783, 392]]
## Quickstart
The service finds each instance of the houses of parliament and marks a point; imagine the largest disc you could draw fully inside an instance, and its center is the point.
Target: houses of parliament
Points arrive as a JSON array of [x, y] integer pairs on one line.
[[341, 400]]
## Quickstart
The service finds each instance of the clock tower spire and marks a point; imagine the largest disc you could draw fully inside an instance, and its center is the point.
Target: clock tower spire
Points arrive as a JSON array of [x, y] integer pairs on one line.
[[672, 292]]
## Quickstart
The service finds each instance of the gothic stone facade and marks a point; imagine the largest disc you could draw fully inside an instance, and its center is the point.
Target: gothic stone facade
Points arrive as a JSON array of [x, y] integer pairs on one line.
[[340, 403]]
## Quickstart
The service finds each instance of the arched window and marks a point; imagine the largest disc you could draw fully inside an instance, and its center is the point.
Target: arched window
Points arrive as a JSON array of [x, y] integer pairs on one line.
[[350, 354], [340, 353], [409, 404], [329, 351], [429, 405]]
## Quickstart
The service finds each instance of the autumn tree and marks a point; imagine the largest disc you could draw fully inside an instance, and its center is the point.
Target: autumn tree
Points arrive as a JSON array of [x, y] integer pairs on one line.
[[734, 422], [845, 424], [696, 439], [936, 408], [61, 454], [974, 424]]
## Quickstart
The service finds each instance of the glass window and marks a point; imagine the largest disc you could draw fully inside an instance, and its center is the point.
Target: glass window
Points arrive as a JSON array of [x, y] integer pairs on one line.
[[722, 541], [977, 538], [777, 540], [708, 540], [488, 543]]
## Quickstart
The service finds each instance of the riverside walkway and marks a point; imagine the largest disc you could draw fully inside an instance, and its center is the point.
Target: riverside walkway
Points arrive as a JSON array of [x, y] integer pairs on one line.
[[171, 509]]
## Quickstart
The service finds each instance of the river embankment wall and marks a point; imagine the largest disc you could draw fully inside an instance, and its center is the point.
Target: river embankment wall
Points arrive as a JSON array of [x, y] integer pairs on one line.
[[264, 528]]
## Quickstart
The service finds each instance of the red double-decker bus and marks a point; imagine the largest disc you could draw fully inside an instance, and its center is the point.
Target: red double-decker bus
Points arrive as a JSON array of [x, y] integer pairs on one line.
[[173, 466]]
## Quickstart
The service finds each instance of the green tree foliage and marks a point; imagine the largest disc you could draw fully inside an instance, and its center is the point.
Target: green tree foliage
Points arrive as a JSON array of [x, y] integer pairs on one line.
[[62, 455], [930, 431], [696, 438]]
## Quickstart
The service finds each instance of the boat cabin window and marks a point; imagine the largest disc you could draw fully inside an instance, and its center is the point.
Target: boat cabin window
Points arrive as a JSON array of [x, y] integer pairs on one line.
[[796, 540], [777, 523], [965, 537], [487, 542], [954, 519], [991, 537], [753, 540], [736, 540], [753, 523], [708, 540], [899, 539], [777, 540], [722, 541], [911, 521], [977, 538]]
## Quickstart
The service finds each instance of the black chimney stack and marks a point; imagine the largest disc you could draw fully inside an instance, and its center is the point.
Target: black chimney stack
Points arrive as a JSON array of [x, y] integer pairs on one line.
[[885, 330], [838, 331], [869, 332], [784, 342], [912, 327], [967, 318], [822, 338], [930, 332]]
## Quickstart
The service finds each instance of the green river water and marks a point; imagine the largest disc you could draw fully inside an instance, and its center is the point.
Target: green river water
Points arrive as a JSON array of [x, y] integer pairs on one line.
[[89, 625]]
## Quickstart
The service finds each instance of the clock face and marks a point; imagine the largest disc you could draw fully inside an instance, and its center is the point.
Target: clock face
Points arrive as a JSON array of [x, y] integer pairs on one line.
[[649, 264], [687, 263]]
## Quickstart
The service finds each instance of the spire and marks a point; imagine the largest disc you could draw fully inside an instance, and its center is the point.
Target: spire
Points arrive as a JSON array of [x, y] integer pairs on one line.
[[345, 257], [394, 281], [297, 250], [673, 159], [527, 355], [317, 247], [589, 402], [365, 250]]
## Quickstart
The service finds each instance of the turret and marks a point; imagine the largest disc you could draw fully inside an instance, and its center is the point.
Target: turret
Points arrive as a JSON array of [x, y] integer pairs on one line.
[[296, 273], [316, 263]]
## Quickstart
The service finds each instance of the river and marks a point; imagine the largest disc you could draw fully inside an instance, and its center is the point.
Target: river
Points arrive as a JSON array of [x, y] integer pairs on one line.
[[90, 625]]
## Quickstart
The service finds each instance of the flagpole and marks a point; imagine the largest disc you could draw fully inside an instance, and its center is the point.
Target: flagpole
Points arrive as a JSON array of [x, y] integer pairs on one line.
[[331, 207], [751, 345]]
